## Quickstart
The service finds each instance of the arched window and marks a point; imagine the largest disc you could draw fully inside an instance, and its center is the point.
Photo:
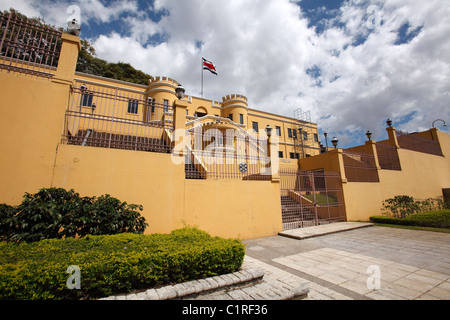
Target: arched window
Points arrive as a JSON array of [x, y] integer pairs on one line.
[[201, 112]]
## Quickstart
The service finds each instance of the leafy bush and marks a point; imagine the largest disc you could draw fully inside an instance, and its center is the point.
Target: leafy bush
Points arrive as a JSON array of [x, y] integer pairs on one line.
[[436, 219], [113, 264], [402, 206], [57, 213]]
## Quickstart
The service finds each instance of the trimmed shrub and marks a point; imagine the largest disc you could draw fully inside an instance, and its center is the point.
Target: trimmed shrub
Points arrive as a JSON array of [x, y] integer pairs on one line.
[[57, 213], [114, 264], [436, 219], [402, 206]]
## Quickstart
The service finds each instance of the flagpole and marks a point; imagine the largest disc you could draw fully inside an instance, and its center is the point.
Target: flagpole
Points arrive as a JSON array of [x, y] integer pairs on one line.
[[201, 94]]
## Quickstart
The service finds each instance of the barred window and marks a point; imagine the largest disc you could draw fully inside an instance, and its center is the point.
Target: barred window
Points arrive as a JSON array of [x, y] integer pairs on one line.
[[305, 135], [86, 99], [295, 155], [133, 106], [255, 126]]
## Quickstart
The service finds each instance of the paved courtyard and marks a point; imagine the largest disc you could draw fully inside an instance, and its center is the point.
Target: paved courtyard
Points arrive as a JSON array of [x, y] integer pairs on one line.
[[367, 263]]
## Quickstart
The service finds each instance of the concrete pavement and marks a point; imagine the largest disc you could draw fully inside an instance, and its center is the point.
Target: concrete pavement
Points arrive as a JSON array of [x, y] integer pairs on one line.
[[364, 263]]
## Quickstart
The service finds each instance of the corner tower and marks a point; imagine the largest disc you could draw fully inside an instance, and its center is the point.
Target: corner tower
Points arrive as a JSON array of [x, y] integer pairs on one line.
[[235, 107], [162, 88]]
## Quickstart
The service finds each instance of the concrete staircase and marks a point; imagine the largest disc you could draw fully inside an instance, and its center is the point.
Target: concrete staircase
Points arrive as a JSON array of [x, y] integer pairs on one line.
[[191, 172]]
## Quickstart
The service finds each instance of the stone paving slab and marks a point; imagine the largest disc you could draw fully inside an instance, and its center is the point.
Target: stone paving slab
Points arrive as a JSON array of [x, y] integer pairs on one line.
[[275, 285], [308, 232], [410, 264], [275, 276]]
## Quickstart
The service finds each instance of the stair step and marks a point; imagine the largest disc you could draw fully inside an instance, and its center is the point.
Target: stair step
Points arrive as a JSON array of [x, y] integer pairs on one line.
[[191, 172]]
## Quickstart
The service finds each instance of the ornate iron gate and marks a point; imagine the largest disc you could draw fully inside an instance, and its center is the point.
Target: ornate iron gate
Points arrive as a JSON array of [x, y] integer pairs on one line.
[[310, 198]]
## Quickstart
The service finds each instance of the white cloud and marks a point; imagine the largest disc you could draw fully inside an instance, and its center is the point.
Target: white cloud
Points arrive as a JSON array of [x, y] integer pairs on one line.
[[380, 79], [262, 49], [95, 9]]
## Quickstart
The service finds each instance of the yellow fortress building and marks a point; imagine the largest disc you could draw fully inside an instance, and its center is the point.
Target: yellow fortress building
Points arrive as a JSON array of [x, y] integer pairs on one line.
[[229, 169]]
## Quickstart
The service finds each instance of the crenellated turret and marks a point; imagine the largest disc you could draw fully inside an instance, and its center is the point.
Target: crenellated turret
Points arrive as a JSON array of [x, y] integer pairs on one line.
[[236, 106], [162, 88]]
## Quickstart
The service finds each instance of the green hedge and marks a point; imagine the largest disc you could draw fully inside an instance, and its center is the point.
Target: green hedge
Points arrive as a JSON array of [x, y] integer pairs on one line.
[[436, 219], [113, 264], [58, 213]]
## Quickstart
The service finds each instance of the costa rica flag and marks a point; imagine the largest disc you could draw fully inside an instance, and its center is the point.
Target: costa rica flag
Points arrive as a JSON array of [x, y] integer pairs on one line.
[[208, 65]]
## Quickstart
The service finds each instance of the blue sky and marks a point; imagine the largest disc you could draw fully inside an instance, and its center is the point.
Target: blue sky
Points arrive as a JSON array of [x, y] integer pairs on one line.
[[351, 63]]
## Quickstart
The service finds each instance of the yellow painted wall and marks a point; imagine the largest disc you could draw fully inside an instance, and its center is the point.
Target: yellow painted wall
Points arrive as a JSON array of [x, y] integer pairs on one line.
[[422, 176], [86, 78], [146, 178], [228, 208], [31, 124], [243, 209], [327, 161]]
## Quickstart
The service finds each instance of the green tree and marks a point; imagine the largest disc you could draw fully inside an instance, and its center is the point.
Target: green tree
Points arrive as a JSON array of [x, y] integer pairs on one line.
[[89, 63]]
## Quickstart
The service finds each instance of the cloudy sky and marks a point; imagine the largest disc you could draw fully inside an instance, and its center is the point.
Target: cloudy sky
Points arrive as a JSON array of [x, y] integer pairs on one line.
[[351, 63]]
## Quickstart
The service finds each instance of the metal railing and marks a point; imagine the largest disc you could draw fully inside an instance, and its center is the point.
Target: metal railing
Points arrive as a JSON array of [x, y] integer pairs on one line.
[[310, 198], [225, 154], [360, 167], [115, 118], [28, 47], [387, 156], [419, 144]]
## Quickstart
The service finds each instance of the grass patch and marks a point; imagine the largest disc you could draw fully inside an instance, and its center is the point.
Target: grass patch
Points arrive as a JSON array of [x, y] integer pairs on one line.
[[443, 230], [321, 198], [435, 219], [113, 264]]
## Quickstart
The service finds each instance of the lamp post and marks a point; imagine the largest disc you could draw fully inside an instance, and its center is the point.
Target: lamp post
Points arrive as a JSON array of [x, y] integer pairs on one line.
[[268, 131], [369, 134], [326, 141], [438, 120], [300, 130], [334, 141], [269, 134], [73, 27], [389, 122]]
